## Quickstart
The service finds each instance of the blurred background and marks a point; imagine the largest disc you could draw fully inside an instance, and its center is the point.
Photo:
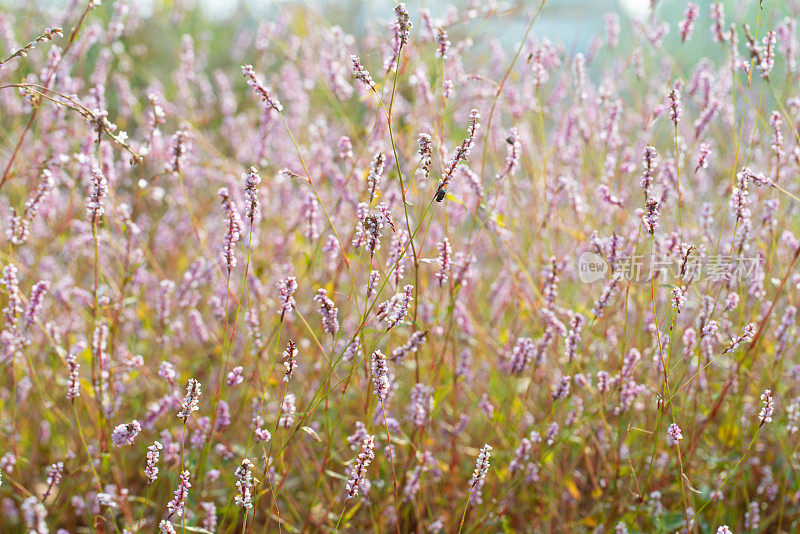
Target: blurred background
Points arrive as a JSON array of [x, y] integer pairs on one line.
[[572, 23]]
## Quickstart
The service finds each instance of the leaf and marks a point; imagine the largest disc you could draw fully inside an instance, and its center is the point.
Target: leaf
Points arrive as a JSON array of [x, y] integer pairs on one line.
[[311, 433], [671, 521], [454, 199], [334, 474], [727, 433], [572, 489]]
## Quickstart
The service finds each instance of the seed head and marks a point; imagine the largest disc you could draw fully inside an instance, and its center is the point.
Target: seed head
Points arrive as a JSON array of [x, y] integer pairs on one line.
[[674, 435]]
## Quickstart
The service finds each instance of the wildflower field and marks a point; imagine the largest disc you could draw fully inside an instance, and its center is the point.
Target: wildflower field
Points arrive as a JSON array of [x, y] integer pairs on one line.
[[442, 274]]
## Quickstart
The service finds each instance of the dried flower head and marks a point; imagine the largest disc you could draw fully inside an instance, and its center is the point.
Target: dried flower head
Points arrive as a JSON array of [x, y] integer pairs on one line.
[[261, 90], [290, 360], [191, 401], [361, 73], [674, 435], [358, 473], [124, 434], [766, 412], [328, 311], [479, 475], [244, 484]]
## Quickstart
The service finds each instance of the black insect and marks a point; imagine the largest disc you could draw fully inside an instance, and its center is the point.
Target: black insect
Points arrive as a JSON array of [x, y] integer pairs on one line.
[[440, 194]]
